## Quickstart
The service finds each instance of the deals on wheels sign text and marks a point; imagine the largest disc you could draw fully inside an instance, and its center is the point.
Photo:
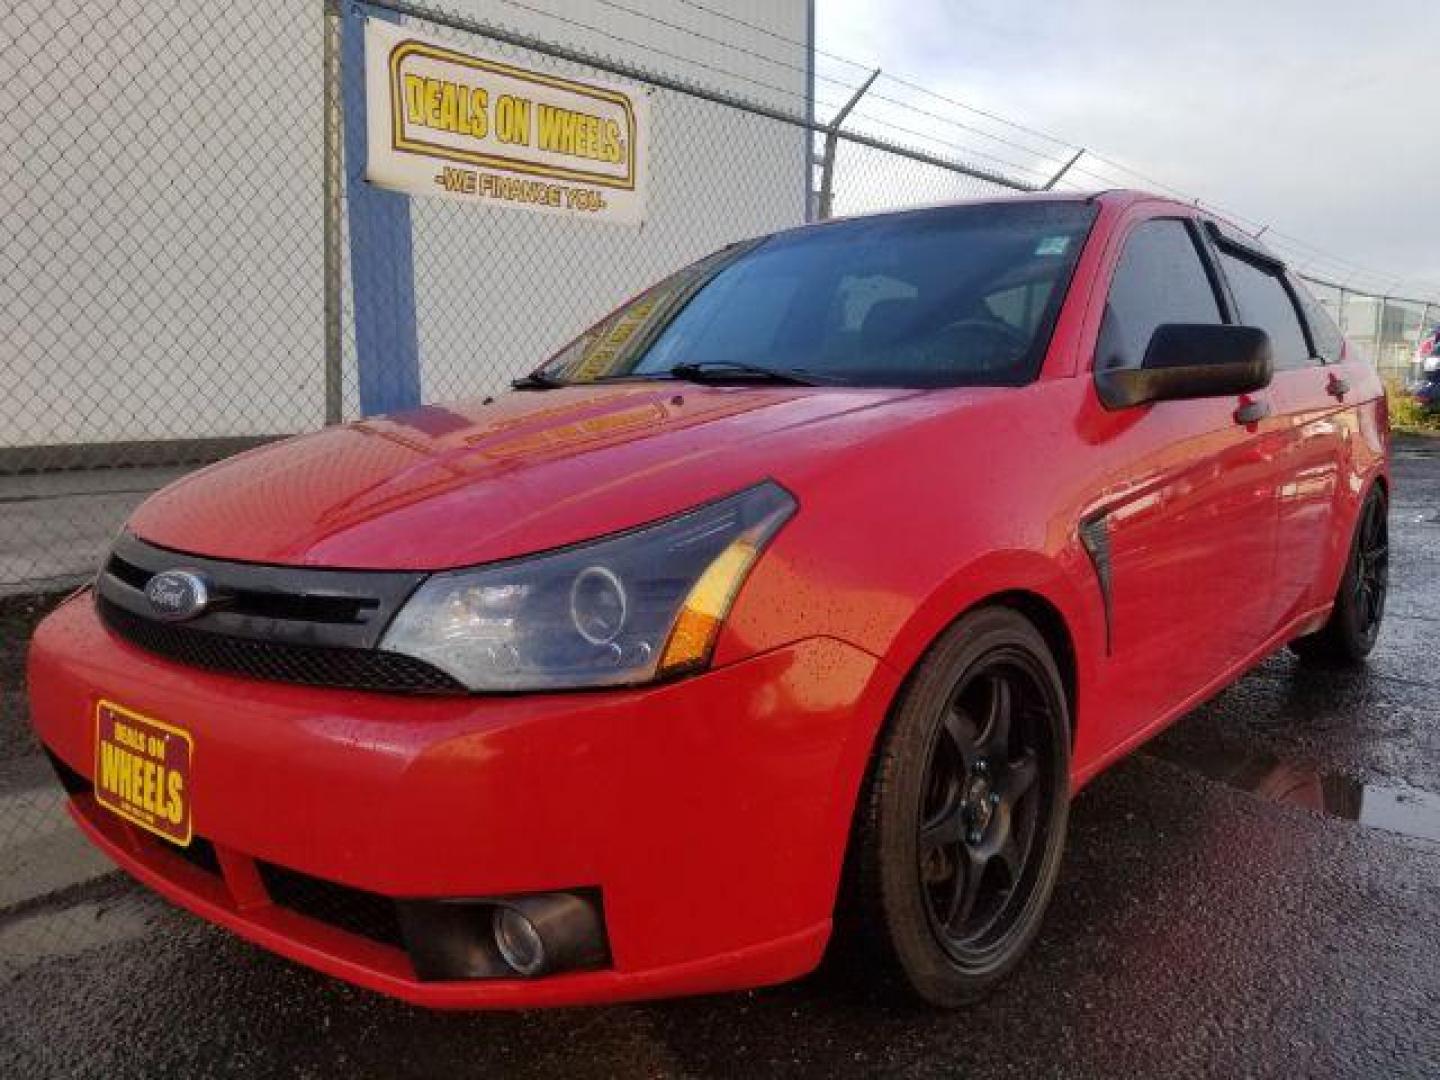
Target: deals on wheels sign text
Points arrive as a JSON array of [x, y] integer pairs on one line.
[[443, 122]]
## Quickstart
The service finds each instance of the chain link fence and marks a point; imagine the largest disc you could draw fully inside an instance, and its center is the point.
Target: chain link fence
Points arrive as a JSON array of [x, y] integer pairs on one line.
[[160, 272], [178, 281], [1385, 329]]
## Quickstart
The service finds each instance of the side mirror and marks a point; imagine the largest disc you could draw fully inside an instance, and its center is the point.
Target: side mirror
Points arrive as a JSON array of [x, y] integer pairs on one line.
[[1191, 360]]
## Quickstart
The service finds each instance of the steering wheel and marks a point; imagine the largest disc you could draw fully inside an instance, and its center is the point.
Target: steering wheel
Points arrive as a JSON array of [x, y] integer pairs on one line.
[[997, 343]]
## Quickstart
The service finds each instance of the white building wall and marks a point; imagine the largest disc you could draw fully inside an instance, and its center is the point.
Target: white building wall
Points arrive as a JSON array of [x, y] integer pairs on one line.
[[161, 261]]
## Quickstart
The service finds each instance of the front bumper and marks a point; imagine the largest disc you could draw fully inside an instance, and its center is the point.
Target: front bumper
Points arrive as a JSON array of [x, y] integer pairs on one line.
[[710, 814]]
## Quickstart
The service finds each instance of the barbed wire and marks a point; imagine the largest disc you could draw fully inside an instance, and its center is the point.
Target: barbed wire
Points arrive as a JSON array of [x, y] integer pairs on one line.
[[1098, 167], [885, 76], [849, 87], [954, 148], [769, 32], [807, 96]]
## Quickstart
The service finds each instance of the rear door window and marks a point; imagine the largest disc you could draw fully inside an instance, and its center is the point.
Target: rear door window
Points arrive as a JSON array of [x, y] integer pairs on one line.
[[1263, 299], [1329, 341], [1160, 279]]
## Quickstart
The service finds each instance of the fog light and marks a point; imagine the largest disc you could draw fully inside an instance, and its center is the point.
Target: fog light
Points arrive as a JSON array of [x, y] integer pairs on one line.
[[503, 937], [519, 942]]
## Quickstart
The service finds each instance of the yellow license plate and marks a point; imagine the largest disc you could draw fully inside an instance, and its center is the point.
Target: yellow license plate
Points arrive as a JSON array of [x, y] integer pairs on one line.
[[142, 771]]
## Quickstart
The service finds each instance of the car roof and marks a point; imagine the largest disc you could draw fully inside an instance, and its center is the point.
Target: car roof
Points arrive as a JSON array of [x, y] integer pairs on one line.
[[1119, 198], [1116, 198]]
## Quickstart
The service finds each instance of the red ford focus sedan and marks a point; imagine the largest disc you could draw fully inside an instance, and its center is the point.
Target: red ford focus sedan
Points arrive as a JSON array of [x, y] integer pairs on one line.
[[794, 600]]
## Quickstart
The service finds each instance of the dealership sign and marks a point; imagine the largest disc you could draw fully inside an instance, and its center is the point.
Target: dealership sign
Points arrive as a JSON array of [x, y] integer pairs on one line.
[[464, 126]]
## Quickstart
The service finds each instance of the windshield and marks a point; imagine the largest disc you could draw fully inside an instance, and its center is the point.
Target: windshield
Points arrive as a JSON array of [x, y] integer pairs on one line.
[[963, 295]]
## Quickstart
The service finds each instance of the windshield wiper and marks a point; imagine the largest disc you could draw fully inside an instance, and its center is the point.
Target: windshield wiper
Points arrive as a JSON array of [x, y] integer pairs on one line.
[[720, 371], [536, 380]]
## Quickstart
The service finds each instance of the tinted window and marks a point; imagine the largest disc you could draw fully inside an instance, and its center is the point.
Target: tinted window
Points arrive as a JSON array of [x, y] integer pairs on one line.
[[1022, 305], [956, 295], [1329, 342], [1160, 280], [1263, 300]]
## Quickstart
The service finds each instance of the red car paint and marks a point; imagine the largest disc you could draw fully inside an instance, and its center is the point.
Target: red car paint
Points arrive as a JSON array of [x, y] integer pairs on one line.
[[714, 811]]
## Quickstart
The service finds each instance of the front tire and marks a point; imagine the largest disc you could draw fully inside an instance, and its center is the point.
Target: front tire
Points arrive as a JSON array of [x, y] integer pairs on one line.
[[962, 826], [1349, 635]]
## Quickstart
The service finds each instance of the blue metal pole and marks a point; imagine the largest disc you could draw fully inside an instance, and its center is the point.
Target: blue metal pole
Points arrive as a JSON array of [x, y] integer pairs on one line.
[[382, 264]]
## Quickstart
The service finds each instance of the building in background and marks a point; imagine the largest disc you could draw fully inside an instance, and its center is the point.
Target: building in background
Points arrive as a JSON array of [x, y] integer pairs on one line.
[[164, 263]]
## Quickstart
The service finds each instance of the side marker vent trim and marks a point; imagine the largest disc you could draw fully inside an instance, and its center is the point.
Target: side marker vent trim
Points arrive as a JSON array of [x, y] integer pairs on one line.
[[1095, 535]]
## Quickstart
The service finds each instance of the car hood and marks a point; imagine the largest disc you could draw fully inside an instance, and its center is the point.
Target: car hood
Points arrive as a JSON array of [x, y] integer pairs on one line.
[[447, 486]]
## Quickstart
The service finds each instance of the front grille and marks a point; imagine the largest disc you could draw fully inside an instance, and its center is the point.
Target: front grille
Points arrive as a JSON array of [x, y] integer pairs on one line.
[[335, 610], [299, 624], [366, 914], [311, 665]]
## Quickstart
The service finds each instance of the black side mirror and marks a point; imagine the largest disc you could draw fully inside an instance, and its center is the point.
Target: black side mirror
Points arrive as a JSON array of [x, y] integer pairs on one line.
[[1191, 360]]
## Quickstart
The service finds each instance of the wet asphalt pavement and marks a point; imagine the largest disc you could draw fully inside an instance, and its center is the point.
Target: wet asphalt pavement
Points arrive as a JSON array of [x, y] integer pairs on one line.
[[1220, 911]]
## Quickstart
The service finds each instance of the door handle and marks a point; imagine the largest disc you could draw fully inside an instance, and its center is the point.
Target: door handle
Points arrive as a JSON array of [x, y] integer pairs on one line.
[[1252, 412], [1337, 387]]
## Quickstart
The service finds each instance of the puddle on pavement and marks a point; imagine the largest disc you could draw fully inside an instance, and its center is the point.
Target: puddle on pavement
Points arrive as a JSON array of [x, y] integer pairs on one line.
[[1394, 808]]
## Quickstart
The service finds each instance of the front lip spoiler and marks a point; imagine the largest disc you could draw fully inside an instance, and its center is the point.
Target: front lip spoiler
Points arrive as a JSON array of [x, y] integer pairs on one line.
[[385, 970]]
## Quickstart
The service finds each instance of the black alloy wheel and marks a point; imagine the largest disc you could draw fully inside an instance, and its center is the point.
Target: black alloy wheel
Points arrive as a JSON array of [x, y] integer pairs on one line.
[[983, 809], [1372, 569], [1350, 633], [959, 837]]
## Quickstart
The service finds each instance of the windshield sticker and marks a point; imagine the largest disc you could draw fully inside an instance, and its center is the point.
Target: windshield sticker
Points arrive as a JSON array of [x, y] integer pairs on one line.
[[1053, 245]]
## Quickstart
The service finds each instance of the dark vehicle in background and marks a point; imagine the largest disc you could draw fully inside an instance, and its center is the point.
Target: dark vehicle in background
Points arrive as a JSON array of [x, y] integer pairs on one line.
[[1426, 387], [1426, 391]]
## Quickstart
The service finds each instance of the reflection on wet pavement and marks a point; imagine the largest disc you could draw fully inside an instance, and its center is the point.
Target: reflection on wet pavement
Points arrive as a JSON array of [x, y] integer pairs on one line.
[[1404, 810]]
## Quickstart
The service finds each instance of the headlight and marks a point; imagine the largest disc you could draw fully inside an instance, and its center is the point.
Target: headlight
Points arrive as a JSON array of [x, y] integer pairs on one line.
[[627, 609]]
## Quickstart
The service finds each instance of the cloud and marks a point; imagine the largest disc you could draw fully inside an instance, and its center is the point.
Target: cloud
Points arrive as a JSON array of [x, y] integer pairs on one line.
[[1314, 116]]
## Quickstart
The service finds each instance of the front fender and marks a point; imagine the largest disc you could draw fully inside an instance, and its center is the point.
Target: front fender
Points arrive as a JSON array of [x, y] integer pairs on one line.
[[1065, 582]]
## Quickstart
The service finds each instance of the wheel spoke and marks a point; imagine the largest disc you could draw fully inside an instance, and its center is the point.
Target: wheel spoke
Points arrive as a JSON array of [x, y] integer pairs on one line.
[[1021, 777], [959, 729], [1009, 856], [995, 733], [1374, 525], [968, 876], [945, 829]]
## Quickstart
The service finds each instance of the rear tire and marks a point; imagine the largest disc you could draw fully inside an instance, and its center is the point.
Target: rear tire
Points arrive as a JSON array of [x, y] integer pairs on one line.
[[962, 825], [1349, 635]]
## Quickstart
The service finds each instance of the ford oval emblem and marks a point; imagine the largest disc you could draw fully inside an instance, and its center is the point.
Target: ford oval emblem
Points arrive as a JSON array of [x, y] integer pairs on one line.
[[177, 594]]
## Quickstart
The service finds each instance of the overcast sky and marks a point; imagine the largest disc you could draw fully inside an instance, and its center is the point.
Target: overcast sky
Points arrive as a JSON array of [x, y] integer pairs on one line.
[[1318, 117]]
